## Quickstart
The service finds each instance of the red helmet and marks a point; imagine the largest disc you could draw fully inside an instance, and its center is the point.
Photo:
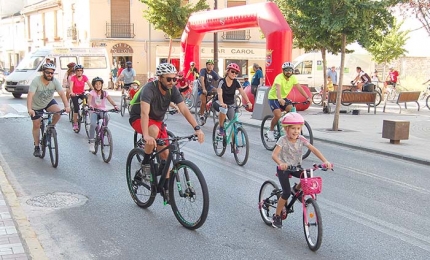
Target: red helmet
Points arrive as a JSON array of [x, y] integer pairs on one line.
[[180, 74], [71, 65], [233, 66], [292, 118]]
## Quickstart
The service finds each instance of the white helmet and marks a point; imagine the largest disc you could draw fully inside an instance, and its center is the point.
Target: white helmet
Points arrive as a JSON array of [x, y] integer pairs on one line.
[[48, 66], [287, 65], [165, 68]]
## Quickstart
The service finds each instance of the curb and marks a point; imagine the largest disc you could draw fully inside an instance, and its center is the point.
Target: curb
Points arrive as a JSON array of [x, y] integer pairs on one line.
[[28, 236]]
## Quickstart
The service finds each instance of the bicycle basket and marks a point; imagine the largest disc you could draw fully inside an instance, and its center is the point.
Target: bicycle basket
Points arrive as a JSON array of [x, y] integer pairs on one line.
[[311, 185]]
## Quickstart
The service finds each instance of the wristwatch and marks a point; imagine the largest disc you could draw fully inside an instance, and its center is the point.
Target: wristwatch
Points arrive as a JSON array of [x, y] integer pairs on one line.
[[197, 128]]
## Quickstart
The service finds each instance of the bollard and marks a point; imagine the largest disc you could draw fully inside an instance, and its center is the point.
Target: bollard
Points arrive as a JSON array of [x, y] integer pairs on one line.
[[395, 130]]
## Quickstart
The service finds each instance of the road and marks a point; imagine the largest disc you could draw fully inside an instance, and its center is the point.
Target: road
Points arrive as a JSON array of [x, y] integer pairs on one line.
[[373, 206]]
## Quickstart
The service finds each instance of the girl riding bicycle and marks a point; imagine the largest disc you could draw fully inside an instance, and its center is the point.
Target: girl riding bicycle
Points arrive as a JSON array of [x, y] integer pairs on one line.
[[97, 99], [288, 157]]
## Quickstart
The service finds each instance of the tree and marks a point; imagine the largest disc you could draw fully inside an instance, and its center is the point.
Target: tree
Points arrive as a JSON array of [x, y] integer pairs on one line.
[[419, 8], [171, 16], [389, 45]]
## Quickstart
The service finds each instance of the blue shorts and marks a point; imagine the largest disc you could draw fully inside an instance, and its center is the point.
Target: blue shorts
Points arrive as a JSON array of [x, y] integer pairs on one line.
[[274, 104], [39, 112]]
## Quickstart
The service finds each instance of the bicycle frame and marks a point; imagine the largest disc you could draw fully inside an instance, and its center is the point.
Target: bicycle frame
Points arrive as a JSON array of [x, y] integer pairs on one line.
[[231, 128]]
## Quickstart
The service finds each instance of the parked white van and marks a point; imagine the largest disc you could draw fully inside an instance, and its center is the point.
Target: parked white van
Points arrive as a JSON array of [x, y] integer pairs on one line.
[[308, 67], [94, 60]]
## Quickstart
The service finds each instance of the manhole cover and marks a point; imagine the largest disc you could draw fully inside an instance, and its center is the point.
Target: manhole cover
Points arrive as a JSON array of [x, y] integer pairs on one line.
[[58, 200]]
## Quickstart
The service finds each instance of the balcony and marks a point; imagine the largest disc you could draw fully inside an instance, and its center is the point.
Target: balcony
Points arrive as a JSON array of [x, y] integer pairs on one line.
[[243, 35], [72, 33], [120, 30]]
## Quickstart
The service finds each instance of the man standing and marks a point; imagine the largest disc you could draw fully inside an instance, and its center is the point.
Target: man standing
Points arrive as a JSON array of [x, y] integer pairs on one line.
[[208, 79], [332, 73], [41, 97]]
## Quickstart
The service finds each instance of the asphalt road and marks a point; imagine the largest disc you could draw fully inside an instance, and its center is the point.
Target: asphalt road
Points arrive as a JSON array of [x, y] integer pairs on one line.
[[373, 206]]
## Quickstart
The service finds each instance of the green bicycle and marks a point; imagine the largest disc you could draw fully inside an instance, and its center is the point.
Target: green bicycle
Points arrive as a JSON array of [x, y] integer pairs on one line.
[[235, 135]]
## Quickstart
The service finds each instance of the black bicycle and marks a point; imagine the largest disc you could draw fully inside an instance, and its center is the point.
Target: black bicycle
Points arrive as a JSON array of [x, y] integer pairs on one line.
[[186, 192], [49, 137], [82, 114]]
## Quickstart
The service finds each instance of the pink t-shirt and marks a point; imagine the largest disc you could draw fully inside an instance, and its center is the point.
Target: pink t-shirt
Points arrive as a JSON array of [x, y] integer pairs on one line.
[[96, 101], [78, 85]]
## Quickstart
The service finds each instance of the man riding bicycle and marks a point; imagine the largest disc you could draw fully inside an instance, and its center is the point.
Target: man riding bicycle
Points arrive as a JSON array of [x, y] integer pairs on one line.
[[278, 101], [207, 80], [362, 80], [128, 75], [41, 97]]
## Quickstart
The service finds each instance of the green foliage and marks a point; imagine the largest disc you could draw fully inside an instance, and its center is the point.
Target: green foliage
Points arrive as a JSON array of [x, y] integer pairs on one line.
[[388, 45], [170, 16]]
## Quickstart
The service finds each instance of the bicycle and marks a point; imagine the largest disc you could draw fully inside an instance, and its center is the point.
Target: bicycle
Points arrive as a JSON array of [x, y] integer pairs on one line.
[[310, 186], [279, 131], [317, 97], [391, 92], [82, 113], [49, 137], [187, 182], [125, 101], [353, 88], [426, 95], [103, 136], [210, 98], [235, 135], [188, 96]]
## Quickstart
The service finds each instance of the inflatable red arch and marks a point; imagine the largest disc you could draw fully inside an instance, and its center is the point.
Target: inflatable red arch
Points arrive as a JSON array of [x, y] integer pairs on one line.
[[267, 16]]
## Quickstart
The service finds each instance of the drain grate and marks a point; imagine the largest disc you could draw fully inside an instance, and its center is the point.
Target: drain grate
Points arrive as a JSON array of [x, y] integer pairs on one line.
[[58, 200]]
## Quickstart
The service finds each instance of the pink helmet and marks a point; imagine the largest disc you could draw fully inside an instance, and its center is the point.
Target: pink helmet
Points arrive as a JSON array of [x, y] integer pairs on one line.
[[292, 118], [233, 66], [180, 74]]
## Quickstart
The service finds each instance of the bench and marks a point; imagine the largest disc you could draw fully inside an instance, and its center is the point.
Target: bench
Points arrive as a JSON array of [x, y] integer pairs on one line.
[[407, 96], [367, 98]]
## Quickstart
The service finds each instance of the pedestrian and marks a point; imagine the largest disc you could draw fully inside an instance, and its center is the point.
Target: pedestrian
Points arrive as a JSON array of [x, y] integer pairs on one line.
[[246, 82], [332, 73], [257, 79], [40, 98], [114, 74], [288, 158]]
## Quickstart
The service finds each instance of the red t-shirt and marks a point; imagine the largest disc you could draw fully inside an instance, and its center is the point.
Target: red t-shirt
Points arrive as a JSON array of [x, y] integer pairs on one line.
[[181, 82], [132, 92], [78, 85], [393, 76]]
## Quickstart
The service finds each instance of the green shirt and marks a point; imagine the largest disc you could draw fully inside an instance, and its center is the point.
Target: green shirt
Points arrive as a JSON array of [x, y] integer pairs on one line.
[[43, 94], [286, 86]]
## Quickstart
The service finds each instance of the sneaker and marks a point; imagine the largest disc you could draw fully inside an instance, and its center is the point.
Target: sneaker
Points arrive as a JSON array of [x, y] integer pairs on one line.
[[294, 191], [75, 127], [221, 131], [36, 152], [270, 136], [92, 148], [277, 221]]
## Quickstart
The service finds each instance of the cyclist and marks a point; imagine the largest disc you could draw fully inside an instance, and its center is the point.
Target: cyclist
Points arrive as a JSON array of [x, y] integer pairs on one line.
[[288, 158], [41, 97], [66, 80], [193, 72], [183, 84], [77, 89], [362, 80], [155, 98], [127, 75], [207, 80], [278, 101], [227, 87], [135, 86], [97, 99]]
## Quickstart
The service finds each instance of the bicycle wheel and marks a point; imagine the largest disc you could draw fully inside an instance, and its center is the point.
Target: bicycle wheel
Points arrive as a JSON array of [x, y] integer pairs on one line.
[[307, 133], [42, 141], [317, 98], [219, 142], [197, 110], [265, 126], [71, 111], [343, 103], [189, 100], [97, 140], [189, 195], [378, 99], [136, 138], [427, 102], [312, 224], [241, 146], [52, 143], [140, 186], [238, 100], [123, 105], [268, 200], [106, 145], [87, 123], [215, 114], [79, 121]]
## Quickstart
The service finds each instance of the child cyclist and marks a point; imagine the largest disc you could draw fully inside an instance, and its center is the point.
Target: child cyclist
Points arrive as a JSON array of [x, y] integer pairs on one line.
[[97, 99], [288, 157], [134, 88]]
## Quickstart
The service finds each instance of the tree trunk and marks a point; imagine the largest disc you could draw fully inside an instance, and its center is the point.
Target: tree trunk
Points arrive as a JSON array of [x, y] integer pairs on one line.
[[324, 57], [170, 49], [339, 87]]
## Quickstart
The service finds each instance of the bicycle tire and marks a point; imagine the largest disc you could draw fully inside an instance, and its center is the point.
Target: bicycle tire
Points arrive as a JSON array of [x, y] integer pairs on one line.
[[215, 114], [106, 141], [189, 101], [123, 105], [53, 146], [79, 121], [218, 144], [265, 126], [378, 99], [308, 134], [344, 103], [197, 110], [134, 167], [71, 111], [42, 141], [241, 141], [87, 123], [312, 220], [188, 192], [268, 200], [427, 102], [317, 99], [96, 141]]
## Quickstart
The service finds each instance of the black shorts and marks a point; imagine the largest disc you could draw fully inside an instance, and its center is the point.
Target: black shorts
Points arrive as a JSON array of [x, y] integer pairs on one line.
[[39, 112]]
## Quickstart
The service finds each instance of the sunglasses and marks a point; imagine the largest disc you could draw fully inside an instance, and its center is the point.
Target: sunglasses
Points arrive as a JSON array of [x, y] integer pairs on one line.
[[234, 72], [288, 70], [169, 79], [49, 73]]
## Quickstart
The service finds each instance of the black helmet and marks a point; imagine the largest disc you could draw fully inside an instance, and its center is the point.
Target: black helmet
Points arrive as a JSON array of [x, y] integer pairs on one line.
[[95, 80]]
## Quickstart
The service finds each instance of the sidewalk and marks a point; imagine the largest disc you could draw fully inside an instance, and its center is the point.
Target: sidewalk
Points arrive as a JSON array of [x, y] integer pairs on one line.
[[364, 131]]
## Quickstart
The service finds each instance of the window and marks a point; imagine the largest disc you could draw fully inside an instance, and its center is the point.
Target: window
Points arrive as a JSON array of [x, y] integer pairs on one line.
[[93, 62], [304, 67], [31, 63]]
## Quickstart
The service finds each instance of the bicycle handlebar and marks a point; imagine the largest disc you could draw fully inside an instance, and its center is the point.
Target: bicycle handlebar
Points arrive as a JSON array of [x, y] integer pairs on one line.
[[50, 113], [104, 111], [315, 167], [162, 141]]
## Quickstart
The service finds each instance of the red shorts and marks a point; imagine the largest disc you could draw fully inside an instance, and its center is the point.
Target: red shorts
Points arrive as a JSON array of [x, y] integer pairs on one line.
[[162, 133]]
